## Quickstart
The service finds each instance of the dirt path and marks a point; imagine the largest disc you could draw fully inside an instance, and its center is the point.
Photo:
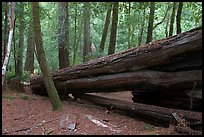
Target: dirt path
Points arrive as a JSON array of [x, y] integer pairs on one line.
[[25, 113]]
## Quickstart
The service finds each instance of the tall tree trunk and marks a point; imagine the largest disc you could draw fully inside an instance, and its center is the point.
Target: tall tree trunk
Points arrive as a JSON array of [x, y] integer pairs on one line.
[[166, 27], [51, 90], [8, 50], [105, 30], [178, 18], [78, 40], [129, 25], [5, 36], [87, 38], [142, 28], [19, 68], [63, 37], [172, 20], [29, 63], [151, 21], [112, 43], [75, 33]]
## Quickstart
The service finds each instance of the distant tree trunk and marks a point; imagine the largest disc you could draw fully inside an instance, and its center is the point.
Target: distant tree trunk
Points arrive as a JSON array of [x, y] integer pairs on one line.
[[5, 36], [172, 20], [51, 90], [178, 18], [75, 33], [112, 43], [63, 36], [29, 63], [19, 68], [151, 21], [129, 25], [78, 40], [105, 30], [87, 38], [142, 28]]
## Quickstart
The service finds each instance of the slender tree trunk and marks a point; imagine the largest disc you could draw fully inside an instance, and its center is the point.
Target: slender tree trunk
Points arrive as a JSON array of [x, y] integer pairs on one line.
[[8, 50], [29, 63], [112, 43], [172, 20], [75, 34], [142, 28], [5, 28], [87, 38], [63, 37], [78, 40], [21, 40], [105, 30], [178, 18], [151, 21], [51, 90], [129, 25]]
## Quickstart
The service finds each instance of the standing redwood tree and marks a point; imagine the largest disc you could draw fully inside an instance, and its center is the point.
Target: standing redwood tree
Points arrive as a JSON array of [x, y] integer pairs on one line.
[[151, 21], [87, 38], [105, 30], [19, 66], [178, 18], [63, 35], [142, 26], [112, 43], [49, 84], [29, 63], [8, 48], [172, 20]]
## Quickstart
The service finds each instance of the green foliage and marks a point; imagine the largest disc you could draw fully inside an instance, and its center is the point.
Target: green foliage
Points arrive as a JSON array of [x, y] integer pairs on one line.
[[24, 97], [9, 97], [148, 126], [11, 74], [191, 17], [94, 55]]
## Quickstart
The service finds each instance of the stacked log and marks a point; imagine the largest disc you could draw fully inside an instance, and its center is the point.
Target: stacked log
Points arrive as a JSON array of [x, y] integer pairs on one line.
[[170, 67]]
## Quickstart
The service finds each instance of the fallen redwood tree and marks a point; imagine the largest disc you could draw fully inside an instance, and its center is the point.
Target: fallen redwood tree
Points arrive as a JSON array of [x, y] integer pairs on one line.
[[171, 64], [162, 52], [153, 114]]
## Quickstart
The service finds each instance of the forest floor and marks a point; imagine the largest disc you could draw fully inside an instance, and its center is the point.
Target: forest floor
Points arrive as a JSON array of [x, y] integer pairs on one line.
[[29, 114]]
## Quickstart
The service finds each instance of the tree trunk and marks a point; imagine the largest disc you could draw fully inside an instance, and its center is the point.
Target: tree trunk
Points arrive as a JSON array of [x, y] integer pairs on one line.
[[142, 28], [155, 54], [75, 33], [105, 30], [19, 68], [176, 57], [151, 22], [29, 63], [8, 50], [112, 43], [5, 36], [150, 113], [63, 37], [129, 25], [51, 90], [178, 18], [87, 38], [172, 19]]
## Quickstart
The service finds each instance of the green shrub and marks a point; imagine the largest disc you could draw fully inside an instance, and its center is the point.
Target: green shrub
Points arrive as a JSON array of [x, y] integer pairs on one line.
[[10, 75]]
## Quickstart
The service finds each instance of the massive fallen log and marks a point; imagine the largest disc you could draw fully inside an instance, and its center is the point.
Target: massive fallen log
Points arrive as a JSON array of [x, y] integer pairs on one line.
[[140, 80], [153, 114], [157, 54]]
